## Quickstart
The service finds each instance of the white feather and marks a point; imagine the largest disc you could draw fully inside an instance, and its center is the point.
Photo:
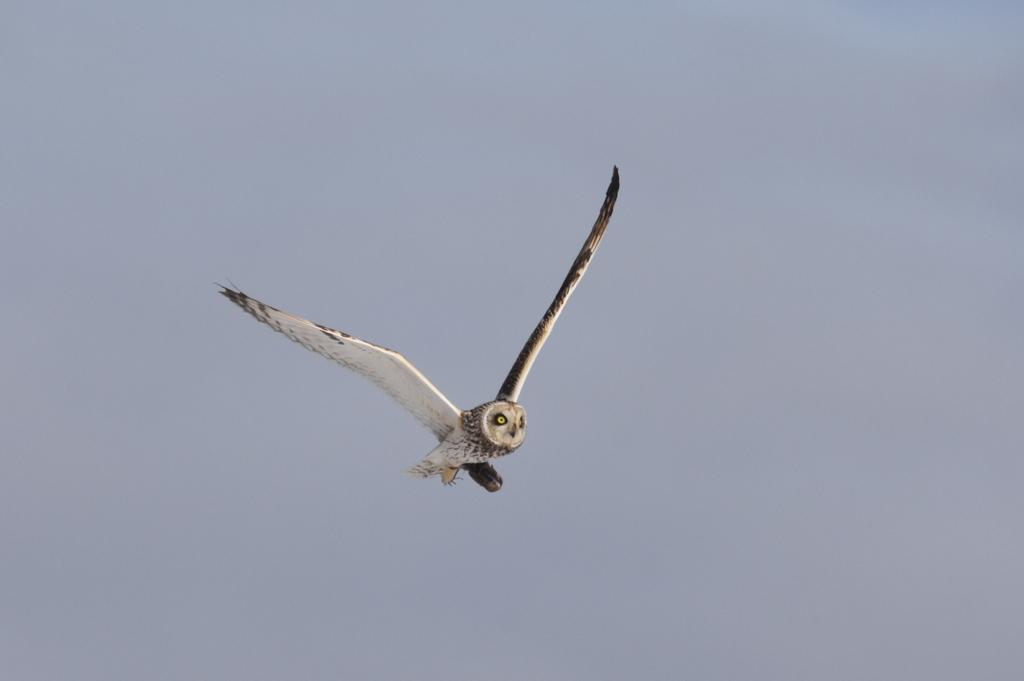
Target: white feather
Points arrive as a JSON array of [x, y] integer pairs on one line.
[[387, 369]]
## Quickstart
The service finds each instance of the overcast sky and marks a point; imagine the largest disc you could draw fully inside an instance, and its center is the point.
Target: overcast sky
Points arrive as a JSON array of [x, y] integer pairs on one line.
[[776, 434]]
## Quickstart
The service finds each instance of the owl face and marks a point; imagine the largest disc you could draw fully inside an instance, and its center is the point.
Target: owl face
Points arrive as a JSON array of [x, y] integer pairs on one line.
[[504, 424]]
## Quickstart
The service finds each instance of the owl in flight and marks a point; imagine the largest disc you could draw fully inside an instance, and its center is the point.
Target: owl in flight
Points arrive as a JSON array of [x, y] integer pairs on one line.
[[468, 439]]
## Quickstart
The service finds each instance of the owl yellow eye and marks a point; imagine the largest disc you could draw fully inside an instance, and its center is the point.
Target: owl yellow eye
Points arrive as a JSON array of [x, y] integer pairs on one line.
[[501, 420]]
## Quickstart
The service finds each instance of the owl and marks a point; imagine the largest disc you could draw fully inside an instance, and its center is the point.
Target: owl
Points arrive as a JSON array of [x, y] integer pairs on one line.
[[468, 440]]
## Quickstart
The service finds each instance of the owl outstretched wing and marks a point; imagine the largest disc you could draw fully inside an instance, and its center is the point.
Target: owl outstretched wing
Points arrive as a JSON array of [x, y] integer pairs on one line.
[[517, 376], [387, 369]]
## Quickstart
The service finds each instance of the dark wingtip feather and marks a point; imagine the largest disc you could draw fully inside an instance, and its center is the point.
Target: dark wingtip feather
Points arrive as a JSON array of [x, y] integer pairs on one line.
[[613, 188], [234, 296]]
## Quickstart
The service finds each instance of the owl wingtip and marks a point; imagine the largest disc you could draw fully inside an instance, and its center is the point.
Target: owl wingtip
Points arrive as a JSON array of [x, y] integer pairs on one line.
[[613, 188], [235, 297], [231, 291]]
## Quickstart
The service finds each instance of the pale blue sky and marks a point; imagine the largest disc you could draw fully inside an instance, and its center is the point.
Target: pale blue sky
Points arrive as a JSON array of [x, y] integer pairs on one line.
[[776, 434]]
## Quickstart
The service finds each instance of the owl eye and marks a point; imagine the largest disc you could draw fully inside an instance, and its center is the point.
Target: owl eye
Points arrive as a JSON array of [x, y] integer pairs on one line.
[[501, 420]]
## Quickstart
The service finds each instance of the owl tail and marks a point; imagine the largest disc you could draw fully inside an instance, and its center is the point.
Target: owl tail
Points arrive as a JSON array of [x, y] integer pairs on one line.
[[435, 463]]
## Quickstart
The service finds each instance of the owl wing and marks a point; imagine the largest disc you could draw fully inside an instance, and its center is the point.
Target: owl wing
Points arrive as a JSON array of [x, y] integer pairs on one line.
[[389, 370], [517, 376]]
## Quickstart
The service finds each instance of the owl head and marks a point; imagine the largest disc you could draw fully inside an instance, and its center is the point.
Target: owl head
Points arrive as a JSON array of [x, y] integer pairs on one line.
[[503, 424]]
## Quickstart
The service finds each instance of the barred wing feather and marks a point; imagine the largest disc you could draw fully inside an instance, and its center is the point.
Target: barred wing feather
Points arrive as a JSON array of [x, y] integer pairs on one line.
[[387, 369]]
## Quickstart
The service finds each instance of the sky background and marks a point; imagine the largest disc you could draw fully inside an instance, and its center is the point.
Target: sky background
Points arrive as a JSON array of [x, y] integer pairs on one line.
[[777, 432]]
